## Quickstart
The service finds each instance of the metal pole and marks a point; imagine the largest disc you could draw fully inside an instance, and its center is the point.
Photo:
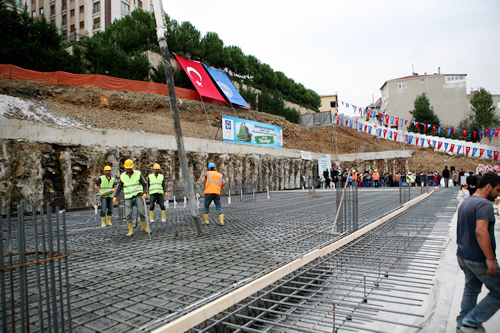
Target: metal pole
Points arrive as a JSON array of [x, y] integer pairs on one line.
[[161, 32], [68, 304], [2, 283], [20, 250], [52, 270], [39, 287]]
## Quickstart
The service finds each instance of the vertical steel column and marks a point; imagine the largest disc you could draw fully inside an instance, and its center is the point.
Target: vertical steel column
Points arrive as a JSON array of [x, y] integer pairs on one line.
[[52, 269], [2, 281], [61, 298], [37, 258], [45, 267], [68, 304], [22, 258]]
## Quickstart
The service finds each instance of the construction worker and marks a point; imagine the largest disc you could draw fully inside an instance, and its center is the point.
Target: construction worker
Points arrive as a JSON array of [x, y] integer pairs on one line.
[[135, 189], [157, 188], [376, 178], [104, 186], [214, 182]]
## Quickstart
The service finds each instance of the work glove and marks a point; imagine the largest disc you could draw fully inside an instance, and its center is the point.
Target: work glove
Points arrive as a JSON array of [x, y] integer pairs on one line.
[[144, 196], [113, 190], [115, 201], [100, 193], [166, 194]]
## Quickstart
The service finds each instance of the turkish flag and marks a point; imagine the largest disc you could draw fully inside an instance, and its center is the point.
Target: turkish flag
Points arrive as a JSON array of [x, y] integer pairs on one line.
[[467, 150], [440, 143], [417, 140], [425, 127], [465, 132], [385, 132], [397, 121], [395, 135], [481, 151], [452, 147], [406, 121], [496, 131], [200, 78], [433, 128], [475, 134], [416, 124], [387, 119], [428, 142], [495, 154], [368, 113]]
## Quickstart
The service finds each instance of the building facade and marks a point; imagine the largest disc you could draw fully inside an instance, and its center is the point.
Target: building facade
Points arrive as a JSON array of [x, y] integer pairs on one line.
[[76, 18], [329, 103], [447, 94]]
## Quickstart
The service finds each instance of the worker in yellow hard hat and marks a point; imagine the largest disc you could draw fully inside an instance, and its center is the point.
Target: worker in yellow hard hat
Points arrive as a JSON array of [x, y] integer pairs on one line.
[[157, 193], [135, 189], [104, 186]]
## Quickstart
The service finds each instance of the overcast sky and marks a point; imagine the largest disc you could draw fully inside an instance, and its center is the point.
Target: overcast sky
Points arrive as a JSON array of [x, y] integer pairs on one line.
[[352, 47]]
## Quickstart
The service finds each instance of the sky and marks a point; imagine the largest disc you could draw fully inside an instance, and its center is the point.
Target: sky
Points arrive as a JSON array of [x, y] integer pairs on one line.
[[351, 47]]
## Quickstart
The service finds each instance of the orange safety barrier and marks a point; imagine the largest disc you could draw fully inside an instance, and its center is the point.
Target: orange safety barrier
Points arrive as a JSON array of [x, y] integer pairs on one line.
[[96, 80]]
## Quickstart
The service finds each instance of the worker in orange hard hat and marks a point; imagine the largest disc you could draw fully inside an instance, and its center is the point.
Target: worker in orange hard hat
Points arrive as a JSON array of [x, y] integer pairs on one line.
[[104, 186], [157, 193], [135, 189]]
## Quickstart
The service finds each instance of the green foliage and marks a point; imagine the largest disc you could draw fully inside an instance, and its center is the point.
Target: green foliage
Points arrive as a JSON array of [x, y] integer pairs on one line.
[[188, 41], [423, 113], [483, 109], [235, 60], [249, 96], [33, 43], [212, 50], [271, 102]]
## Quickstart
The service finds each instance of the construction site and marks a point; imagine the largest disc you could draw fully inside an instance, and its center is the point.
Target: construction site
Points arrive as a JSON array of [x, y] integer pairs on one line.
[[289, 258]]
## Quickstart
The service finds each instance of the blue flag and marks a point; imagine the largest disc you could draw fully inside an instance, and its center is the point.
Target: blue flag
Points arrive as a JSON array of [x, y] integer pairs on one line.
[[449, 131], [445, 146], [410, 139], [490, 153], [226, 86], [492, 132], [439, 130], [347, 104], [458, 148], [474, 151], [370, 129]]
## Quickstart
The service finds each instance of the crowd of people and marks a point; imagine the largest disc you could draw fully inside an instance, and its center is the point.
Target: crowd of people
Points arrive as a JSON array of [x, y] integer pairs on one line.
[[337, 177]]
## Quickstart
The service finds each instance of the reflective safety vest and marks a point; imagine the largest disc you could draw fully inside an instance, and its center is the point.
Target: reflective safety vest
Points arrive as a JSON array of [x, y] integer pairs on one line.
[[131, 184], [214, 183], [155, 183], [376, 176], [354, 176], [106, 185]]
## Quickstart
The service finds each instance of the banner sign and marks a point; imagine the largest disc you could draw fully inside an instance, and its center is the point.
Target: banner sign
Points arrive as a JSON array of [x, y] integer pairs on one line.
[[226, 86], [238, 130], [324, 164]]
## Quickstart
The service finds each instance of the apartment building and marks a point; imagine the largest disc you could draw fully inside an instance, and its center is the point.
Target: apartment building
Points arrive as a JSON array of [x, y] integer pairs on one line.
[[82, 17], [446, 92], [329, 103]]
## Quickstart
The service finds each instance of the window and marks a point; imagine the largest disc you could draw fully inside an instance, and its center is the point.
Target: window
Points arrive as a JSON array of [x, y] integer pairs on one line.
[[64, 20], [41, 10], [453, 79], [64, 5], [97, 23], [125, 8], [333, 104], [81, 9], [97, 7], [402, 85], [498, 105], [139, 4], [33, 13], [72, 13], [52, 9], [422, 81], [82, 24], [72, 28]]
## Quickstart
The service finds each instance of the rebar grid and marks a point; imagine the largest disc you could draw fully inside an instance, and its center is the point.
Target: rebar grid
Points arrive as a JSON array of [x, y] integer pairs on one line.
[[376, 283]]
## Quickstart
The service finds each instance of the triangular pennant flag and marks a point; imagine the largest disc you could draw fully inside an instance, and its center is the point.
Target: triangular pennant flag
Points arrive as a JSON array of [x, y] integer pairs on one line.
[[392, 120], [481, 151], [385, 132], [465, 133], [406, 121], [410, 139], [496, 131], [397, 122], [459, 147], [440, 143], [439, 130], [433, 128], [422, 141], [492, 132], [495, 154], [416, 140], [449, 131], [416, 124], [446, 146], [395, 136], [467, 150], [474, 151], [452, 148], [490, 153]]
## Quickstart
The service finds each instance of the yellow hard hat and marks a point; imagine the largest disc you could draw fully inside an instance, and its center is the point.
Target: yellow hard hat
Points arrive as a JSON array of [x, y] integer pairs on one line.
[[129, 164], [156, 166], [107, 167]]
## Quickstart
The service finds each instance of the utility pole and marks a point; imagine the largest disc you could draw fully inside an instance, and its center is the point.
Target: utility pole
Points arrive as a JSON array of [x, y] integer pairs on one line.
[[161, 30]]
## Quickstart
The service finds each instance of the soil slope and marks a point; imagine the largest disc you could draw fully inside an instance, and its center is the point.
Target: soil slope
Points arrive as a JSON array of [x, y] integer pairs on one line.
[[151, 113]]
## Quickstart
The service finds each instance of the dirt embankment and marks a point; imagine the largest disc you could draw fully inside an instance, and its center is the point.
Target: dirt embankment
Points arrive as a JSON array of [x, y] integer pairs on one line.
[[151, 113]]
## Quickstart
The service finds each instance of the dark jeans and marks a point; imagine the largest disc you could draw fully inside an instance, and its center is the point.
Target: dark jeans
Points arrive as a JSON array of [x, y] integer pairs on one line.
[[473, 314], [216, 199], [156, 198], [106, 206]]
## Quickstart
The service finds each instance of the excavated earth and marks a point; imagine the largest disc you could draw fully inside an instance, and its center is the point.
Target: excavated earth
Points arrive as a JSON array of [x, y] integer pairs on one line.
[[146, 112]]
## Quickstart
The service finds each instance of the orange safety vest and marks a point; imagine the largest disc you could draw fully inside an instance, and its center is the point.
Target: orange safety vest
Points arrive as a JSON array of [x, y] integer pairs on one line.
[[214, 183], [354, 176], [375, 176]]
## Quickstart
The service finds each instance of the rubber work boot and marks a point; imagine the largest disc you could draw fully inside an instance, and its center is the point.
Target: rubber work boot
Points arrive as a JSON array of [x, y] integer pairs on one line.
[[163, 216], [108, 220], [145, 227], [151, 216], [221, 219], [130, 230], [206, 219], [103, 222]]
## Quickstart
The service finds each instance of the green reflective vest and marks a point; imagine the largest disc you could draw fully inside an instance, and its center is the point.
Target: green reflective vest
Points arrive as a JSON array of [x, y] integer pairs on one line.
[[106, 185], [155, 183], [131, 184]]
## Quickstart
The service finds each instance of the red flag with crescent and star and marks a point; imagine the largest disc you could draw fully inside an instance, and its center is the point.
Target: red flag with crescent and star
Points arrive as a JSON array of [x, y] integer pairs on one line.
[[200, 78], [481, 151], [467, 150]]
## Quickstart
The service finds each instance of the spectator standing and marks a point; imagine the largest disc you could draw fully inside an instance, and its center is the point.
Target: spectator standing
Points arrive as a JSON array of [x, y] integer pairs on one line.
[[476, 255], [446, 176]]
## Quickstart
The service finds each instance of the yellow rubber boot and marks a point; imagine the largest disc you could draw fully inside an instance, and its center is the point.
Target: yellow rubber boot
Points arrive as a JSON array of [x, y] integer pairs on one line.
[[221, 219], [130, 230], [108, 220], [151, 215], [145, 227], [103, 222], [206, 219], [164, 216]]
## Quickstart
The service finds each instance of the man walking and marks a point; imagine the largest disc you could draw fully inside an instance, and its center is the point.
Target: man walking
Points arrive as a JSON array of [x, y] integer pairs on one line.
[[157, 188], [135, 190], [446, 176], [104, 185], [214, 182], [476, 255]]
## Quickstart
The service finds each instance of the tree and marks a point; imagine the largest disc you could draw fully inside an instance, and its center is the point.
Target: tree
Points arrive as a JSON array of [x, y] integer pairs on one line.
[[483, 109], [236, 60], [188, 41], [212, 50], [423, 113]]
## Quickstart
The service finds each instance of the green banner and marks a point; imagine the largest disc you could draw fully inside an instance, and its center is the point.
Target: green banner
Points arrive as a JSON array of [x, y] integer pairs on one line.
[[264, 140]]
